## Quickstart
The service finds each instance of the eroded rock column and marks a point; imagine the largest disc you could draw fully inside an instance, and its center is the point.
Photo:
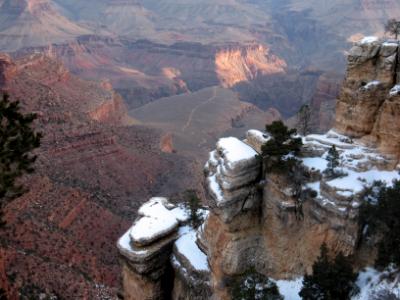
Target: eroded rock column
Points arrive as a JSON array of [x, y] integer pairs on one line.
[[231, 232], [146, 249]]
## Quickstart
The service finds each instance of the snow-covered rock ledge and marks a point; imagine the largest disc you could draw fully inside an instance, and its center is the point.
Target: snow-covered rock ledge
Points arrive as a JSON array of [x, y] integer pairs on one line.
[[159, 239], [233, 170]]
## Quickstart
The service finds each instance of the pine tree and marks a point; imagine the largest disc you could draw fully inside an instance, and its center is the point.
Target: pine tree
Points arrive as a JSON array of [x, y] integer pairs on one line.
[[380, 214], [304, 119], [333, 158], [17, 141], [387, 215], [330, 280], [281, 143], [314, 284], [192, 202], [393, 27]]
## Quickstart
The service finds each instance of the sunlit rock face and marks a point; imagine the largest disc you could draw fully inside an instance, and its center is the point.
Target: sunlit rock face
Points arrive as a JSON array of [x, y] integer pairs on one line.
[[369, 104], [238, 64]]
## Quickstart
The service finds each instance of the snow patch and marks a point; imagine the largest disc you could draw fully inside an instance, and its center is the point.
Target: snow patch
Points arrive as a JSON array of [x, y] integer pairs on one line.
[[369, 40], [235, 151], [186, 246], [371, 282], [371, 84], [290, 289], [395, 90], [157, 220], [356, 181], [316, 163]]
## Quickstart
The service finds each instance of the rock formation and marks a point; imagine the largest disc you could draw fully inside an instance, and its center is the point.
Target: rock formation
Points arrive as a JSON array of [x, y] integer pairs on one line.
[[369, 103], [157, 246], [257, 224], [256, 221]]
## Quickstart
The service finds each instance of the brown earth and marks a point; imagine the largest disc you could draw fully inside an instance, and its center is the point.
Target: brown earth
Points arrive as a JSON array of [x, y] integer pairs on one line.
[[93, 171]]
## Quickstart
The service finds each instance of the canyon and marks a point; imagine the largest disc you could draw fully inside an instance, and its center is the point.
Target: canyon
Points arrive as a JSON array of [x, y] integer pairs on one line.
[[275, 55], [92, 172], [131, 97], [253, 220]]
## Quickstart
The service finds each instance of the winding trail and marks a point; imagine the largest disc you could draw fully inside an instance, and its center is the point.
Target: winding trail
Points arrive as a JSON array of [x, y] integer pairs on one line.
[[190, 119]]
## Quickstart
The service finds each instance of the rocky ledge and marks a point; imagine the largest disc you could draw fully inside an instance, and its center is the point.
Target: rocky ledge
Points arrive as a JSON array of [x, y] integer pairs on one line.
[[158, 245], [369, 103]]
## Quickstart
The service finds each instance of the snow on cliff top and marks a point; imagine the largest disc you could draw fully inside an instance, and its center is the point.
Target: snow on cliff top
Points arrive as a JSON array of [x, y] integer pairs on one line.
[[186, 246], [235, 151], [159, 218], [356, 181], [369, 39]]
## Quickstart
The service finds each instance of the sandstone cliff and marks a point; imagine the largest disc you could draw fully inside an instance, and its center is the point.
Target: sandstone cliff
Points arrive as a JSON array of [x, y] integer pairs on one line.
[[369, 103], [240, 64]]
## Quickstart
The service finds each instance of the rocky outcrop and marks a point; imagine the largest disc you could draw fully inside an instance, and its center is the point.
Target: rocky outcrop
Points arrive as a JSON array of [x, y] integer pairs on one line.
[[160, 256], [257, 223], [368, 106]]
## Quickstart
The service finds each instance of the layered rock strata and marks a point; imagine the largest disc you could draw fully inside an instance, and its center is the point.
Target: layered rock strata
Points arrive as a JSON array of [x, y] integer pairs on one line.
[[369, 103], [256, 223], [160, 256]]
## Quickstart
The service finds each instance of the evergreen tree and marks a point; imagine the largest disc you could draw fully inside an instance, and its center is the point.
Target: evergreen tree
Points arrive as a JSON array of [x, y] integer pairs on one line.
[[192, 203], [304, 119], [333, 158], [380, 212], [393, 27], [255, 286], [330, 280], [17, 140], [281, 143]]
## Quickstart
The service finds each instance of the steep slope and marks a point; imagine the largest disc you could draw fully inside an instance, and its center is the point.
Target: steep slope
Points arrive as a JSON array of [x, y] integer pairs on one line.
[[32, 23], [93, 171]]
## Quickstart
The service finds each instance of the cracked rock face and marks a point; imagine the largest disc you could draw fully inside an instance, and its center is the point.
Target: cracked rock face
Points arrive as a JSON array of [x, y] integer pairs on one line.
[[369, 104]]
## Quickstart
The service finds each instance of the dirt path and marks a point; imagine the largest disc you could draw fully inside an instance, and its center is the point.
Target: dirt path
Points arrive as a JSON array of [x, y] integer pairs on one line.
[[189, 121]]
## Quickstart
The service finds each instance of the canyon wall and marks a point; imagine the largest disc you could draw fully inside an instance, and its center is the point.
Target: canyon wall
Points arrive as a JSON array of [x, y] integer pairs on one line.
[[91, 164], [369, 102]]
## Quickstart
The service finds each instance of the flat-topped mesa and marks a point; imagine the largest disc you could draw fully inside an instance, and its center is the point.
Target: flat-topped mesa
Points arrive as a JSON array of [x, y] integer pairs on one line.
[[369, 104], [158, 243]]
